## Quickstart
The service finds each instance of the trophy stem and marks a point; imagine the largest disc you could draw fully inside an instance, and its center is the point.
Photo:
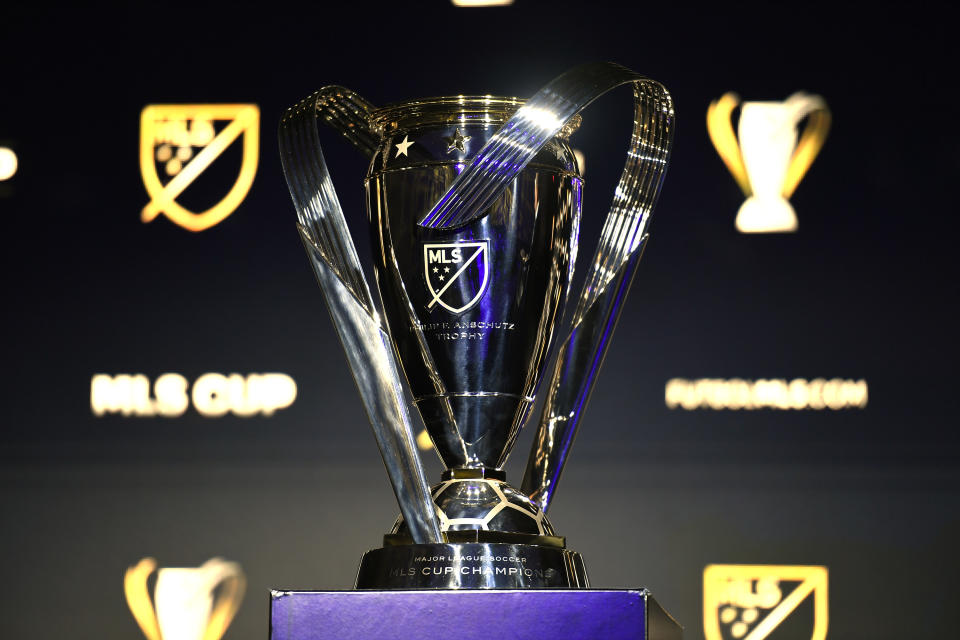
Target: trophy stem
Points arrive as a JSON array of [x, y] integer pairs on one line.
[[464, 473]]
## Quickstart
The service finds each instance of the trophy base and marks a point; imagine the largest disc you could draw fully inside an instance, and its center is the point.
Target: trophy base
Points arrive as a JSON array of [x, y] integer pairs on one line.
[[471, 565], [494, 536]]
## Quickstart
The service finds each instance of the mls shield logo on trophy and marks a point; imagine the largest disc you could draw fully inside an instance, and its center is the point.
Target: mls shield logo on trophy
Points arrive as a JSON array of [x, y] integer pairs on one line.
[[178, 142], [769, 161], [457, 274]]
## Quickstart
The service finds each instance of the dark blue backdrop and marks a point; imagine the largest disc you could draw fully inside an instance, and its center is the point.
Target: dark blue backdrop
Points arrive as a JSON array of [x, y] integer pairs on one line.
[[865, 290]]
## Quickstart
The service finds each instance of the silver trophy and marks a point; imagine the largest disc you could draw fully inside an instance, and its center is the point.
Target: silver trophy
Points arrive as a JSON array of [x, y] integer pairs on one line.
[[474, 204]]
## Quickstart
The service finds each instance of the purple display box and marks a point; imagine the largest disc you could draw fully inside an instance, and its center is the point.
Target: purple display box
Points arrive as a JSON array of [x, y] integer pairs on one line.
[[557, 614]]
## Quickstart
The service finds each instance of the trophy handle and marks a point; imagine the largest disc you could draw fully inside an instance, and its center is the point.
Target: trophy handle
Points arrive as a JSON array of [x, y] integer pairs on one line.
[[333, 255], [724, 139], [616, 258], [138, 597], [228, 601], [575, 371], [508, 151], [811, 140], [348, 113]]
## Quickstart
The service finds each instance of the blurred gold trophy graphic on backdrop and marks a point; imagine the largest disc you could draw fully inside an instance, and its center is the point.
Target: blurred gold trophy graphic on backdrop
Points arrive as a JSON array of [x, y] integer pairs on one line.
[[189, 603], [769, 161]]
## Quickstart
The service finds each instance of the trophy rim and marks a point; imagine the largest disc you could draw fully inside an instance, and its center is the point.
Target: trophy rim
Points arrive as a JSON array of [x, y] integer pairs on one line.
[[465, 110]]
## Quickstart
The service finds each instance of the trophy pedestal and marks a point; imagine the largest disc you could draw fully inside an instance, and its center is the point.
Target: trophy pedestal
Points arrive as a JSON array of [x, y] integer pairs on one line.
[[558, 614]]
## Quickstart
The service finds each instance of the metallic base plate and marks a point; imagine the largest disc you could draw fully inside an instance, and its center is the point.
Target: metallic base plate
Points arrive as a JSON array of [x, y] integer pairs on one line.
[[475, 565]]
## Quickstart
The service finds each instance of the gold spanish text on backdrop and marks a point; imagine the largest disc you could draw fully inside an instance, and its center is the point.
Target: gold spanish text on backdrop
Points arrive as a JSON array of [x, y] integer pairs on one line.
[[749, 601], [185, 127], [735, 393]]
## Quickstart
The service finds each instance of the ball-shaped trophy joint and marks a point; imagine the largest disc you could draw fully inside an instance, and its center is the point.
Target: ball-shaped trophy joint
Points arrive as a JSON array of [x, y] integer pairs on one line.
[[485, 509]]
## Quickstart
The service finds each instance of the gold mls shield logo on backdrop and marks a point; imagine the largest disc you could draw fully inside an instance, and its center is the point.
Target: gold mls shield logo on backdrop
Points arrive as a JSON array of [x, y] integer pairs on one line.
[[748, 602], [178, 142]]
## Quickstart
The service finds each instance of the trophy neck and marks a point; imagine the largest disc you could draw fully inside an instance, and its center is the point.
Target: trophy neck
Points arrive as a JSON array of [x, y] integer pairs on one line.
[[481, 473]]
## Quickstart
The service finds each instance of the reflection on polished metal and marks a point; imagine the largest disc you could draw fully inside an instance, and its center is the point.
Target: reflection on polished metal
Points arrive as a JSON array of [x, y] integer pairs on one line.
[[474, 204]]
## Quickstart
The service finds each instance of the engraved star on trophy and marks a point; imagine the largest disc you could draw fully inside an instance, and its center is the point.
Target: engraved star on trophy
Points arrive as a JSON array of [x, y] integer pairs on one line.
[[474, 204], [769, 161]]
